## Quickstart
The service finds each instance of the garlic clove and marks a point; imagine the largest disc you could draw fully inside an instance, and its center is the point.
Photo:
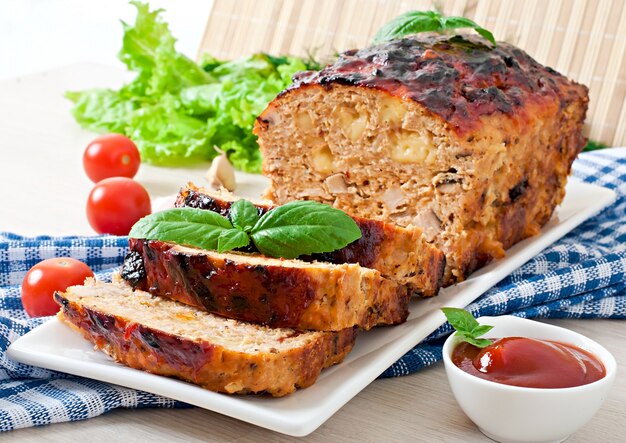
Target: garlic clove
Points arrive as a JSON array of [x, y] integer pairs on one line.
[[221, 173]]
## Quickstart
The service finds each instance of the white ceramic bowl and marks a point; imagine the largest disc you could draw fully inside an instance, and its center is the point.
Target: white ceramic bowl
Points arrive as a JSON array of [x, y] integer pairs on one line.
[[512, 414]]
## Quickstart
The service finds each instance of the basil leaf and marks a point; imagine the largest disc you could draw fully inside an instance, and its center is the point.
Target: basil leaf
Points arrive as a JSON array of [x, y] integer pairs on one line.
[[288, 231], [460, 319], [481, 330], [467, 327], [230, 239], [244, 215], [185, 226], [414, 22], [303, 227], [478, 342], [411, 22], [462, 22]]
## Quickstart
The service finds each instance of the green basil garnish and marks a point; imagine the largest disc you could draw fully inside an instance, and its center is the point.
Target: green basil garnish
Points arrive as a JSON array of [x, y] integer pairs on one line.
[[414, 22], [467, 327], [288, 231]]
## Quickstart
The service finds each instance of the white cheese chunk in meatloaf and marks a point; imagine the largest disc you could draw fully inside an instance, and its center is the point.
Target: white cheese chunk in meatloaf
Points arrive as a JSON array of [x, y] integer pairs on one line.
[[168, 338], [473, 144]]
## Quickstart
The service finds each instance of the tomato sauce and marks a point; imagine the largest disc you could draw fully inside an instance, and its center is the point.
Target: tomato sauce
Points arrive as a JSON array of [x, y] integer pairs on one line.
[[529, 363]]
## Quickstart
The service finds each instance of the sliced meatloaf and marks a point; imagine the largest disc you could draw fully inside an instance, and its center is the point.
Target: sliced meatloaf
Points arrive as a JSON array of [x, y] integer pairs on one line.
[[471, 143], [398, 253], [269, 291], [168, 338]]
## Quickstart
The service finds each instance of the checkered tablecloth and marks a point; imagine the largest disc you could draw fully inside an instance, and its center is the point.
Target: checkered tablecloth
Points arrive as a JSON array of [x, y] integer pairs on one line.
[[581, 276]]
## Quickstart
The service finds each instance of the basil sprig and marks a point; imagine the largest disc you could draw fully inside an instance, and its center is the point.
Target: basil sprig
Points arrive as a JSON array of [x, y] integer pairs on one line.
[[414, 22], [467, 327], [288, 231]]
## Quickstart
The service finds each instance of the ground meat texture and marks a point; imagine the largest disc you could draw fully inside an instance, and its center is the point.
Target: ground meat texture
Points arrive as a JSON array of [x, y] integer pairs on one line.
[[398, 253], [167, 338], [271, 291], [470, 143]]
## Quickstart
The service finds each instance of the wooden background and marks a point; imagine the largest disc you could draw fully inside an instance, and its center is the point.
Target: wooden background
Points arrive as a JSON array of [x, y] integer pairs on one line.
[[583, 39]]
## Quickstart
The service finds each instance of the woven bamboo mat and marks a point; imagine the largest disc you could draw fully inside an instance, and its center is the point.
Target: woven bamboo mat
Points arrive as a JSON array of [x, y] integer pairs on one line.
[[583, 39]]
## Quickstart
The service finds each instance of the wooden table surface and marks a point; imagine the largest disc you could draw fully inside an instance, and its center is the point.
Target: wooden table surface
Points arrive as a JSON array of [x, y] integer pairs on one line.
[[43, 191]]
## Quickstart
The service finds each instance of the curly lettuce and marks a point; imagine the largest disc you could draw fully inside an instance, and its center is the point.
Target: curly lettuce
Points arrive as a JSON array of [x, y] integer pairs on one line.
[[177, 110]]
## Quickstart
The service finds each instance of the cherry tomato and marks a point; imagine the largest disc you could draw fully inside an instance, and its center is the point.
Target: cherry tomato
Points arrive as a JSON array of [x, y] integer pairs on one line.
[[111, 155], [48, 276], [115, 204]]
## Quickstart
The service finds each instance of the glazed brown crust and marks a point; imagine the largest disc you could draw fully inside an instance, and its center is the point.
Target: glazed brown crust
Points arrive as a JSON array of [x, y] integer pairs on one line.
[[460, 78], [202, 362], [259, 290], [401, 254]]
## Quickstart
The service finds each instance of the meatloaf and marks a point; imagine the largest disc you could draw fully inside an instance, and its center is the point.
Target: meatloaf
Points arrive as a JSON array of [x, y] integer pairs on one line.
[[269, 291], [400, 254], [168, 338], [471, 143]]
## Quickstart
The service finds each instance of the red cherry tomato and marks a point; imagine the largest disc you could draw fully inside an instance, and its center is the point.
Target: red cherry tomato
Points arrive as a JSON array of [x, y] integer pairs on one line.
[[115, 204], [48, 276], [111, 155]]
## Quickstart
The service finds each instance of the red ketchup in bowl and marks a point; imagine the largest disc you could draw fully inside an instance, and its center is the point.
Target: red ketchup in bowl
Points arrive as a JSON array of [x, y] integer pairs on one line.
[[529, 363]]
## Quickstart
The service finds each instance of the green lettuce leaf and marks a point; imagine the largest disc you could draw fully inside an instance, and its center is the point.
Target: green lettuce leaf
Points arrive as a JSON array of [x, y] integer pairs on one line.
[[168, 135], [148, 48], [102, 110], [176, 110]]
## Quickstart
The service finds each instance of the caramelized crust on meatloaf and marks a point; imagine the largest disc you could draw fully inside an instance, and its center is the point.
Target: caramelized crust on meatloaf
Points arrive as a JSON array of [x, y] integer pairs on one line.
[[400, 254], [168, 338], [269, 291], [472, 144]]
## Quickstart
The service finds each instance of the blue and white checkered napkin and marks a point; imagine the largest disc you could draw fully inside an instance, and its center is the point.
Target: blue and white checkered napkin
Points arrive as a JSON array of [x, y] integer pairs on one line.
[[581, 276]]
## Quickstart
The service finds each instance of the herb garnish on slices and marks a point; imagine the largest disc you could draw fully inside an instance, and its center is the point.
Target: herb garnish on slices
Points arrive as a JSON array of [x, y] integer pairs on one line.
[[287, 231], [467, 327], [414, 22]]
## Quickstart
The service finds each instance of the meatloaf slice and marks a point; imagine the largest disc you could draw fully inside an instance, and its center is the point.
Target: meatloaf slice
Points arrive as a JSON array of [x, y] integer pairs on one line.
[[269, 291], [168, 338], [471, 143], [400, 254]]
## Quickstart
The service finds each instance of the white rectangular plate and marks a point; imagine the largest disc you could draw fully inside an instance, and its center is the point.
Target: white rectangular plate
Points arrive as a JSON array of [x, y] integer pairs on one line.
[[54, 346]]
